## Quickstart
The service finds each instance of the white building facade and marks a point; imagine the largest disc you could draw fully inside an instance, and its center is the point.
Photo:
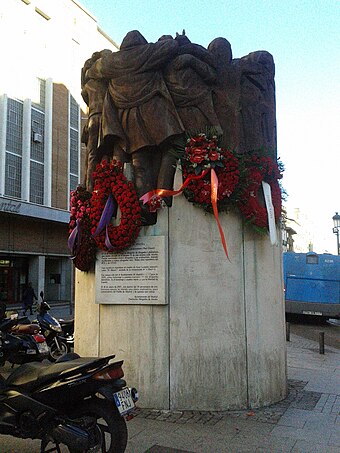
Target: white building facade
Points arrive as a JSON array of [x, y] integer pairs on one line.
[[45, 44]]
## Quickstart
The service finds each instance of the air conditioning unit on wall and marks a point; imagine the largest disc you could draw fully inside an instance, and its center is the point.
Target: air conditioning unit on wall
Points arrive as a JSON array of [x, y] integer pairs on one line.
[[37, 138]]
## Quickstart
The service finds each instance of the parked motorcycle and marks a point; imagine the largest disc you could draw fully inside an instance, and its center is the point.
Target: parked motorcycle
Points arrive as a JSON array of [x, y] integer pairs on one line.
[[21, 342], [82, 403], [52, 331], [67, 335]]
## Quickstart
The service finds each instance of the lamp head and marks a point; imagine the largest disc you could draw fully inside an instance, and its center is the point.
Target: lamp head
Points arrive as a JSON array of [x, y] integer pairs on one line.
[[336, 220]]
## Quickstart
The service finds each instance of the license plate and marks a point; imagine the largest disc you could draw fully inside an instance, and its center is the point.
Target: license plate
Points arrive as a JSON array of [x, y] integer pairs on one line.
[[124, 401], [315, 313], [43, 348]]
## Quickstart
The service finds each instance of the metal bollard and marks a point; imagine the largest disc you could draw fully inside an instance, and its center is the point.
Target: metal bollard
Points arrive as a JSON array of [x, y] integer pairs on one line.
[[321, 342], [287, 331]]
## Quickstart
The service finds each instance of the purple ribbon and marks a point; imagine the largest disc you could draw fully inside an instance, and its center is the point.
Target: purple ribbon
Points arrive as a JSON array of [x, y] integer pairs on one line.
[[109, 211], [74, 240]]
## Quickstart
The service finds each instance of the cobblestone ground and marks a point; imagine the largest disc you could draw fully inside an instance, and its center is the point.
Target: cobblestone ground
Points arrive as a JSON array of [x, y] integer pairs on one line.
[[297, 398]]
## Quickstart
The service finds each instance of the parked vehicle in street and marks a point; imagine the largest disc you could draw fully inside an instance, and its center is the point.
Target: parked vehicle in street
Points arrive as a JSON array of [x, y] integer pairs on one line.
[[58, 341], [67, 335], [81, 403], [20, 342], [312, 284]]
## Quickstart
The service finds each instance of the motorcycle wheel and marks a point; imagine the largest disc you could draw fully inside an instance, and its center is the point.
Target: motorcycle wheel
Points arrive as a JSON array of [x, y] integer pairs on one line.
[[56, 352], [111, 431]]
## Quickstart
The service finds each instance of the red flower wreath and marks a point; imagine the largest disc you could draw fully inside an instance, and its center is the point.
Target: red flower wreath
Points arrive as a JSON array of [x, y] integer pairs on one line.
[[260, 168], [81, 243], [202, 153], [111, 182]]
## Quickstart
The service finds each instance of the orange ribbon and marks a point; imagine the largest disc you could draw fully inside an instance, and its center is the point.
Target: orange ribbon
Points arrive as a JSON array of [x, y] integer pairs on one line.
[[169, 193], [214, 187]]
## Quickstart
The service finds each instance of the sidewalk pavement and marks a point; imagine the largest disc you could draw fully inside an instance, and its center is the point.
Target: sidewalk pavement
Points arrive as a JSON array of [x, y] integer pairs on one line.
[[307, 421]]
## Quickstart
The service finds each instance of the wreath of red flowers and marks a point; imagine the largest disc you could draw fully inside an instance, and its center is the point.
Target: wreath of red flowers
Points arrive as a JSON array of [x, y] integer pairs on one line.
[[81, 243], [203, 153], [257, 169], [110, 181]]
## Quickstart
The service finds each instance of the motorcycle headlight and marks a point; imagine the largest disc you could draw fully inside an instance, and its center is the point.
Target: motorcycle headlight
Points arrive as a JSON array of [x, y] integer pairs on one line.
[[55, 328]]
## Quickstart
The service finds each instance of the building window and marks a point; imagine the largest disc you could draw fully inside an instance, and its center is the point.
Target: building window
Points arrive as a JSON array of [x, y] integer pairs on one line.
[[73, 182], [74, 143], [55, 279], [37, 135], [40, 95], [36, 183], [14, 126], [13, 175], [74, 152], [312, 259], [74, 113]]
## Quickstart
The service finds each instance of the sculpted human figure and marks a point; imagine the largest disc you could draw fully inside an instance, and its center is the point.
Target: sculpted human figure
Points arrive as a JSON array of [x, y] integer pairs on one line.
[[94, 93], [226, 92], [244, 98], [257, 101], [151, 93], [144, 106], [190, 77]]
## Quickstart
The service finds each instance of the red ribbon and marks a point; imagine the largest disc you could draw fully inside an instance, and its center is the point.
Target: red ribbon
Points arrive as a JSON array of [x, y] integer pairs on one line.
[[214, 187]]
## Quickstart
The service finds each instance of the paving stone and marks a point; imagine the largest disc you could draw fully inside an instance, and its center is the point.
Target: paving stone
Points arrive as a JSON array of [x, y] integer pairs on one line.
[[321, 436], [335, 438], [275, 445], [160, 449], [306, 400], [305, 446], [321, 403]]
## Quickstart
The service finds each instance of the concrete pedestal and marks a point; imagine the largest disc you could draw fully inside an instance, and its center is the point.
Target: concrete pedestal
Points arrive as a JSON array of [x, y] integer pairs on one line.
[[219, 343]]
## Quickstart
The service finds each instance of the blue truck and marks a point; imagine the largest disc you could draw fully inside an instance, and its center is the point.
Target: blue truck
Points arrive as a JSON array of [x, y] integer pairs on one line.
[[312, 284]]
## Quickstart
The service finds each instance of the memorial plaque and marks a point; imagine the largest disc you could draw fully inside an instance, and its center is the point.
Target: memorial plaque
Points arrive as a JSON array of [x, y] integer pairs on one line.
[[137, 275]]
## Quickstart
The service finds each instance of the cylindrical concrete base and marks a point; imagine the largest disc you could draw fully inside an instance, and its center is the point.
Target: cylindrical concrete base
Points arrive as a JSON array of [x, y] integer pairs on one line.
[[219, 343]]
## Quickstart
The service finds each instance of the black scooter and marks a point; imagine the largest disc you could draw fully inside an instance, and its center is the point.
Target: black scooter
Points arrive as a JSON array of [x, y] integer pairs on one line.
[[78, 402], [52, 330], [67, 335]]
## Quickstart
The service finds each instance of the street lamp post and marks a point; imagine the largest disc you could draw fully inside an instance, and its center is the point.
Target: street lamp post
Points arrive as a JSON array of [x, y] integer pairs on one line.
[[336, 229]]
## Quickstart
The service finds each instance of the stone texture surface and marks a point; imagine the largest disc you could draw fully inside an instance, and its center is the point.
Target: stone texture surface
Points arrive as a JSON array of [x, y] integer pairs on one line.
[[219, 343]]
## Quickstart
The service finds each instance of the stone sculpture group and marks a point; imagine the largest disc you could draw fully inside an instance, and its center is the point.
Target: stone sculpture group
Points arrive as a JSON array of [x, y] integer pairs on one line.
[[143, 98]]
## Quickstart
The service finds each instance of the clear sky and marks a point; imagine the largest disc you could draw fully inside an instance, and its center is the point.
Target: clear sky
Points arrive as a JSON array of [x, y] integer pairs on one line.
[[304, 38]]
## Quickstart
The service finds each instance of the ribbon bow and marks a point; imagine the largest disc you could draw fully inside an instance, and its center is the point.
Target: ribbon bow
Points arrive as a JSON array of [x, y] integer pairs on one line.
[[214, 187]]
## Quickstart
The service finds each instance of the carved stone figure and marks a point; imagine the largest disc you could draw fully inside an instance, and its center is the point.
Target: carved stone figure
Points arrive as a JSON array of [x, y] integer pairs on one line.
[[145, 96], [244, 98], [94, 92], [257, 101], [190, 77], [145, 109], [226, 92]]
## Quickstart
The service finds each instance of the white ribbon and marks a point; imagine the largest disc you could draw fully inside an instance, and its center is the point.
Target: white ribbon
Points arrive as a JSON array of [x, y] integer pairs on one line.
[[270, 211]]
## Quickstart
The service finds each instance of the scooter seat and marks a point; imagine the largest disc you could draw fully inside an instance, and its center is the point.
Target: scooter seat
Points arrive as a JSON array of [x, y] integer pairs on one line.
[[32, 375]]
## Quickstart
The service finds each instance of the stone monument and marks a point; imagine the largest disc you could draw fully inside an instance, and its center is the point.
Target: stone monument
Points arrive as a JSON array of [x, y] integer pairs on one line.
[[190, 298]]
